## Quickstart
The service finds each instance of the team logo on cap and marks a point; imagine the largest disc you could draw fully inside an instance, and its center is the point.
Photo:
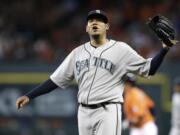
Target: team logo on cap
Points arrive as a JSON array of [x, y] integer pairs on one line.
[[98, 11]]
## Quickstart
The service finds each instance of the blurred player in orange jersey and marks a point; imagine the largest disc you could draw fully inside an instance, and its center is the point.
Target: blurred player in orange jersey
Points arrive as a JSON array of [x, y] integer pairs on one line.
[[138, 110]]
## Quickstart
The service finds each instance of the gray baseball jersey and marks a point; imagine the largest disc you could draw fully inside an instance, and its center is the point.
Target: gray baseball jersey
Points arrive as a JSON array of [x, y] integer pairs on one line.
[[99, 71]]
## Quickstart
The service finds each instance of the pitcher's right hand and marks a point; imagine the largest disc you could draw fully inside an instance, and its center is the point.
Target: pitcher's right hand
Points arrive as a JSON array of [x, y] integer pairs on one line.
[[21, 101]]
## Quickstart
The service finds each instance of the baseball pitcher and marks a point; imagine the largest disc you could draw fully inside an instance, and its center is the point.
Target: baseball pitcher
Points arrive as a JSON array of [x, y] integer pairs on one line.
[[98, 67]]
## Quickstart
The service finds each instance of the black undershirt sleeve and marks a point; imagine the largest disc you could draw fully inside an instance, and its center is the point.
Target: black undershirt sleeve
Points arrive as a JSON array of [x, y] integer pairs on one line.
[[41, 89], [157, 60]]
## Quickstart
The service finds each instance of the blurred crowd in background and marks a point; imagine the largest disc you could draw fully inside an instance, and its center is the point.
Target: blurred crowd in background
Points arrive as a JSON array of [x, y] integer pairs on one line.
[[47, 30]]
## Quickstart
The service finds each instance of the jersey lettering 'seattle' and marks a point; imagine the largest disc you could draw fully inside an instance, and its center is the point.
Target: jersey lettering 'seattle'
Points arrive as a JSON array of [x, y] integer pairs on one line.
[[83, 66]]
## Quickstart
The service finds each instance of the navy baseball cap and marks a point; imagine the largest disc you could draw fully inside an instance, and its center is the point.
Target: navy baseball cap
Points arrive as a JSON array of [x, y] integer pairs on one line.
[[97, 14]]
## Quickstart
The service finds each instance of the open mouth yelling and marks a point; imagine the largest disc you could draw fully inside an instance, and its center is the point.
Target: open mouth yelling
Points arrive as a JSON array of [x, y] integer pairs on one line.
[[95, 28]]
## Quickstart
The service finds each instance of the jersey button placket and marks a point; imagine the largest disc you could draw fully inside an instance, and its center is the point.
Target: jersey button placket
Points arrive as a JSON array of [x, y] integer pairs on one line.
[[93, 68]]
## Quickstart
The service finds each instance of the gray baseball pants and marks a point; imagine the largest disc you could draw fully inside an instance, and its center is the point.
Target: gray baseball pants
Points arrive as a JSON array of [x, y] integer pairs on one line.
[[103, 120]]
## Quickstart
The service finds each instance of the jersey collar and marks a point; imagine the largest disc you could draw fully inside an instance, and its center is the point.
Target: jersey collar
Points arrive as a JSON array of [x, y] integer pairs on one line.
[[90, 48]]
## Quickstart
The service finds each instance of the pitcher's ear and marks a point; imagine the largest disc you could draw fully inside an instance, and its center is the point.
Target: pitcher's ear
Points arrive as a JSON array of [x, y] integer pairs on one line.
[[86, 28], [107, 26]]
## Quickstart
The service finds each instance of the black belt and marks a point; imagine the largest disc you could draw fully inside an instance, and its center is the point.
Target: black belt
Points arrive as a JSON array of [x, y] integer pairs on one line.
[[94, 106]]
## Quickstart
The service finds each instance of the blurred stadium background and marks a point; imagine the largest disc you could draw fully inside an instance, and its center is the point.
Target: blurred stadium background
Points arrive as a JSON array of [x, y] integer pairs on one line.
[[36, 35]]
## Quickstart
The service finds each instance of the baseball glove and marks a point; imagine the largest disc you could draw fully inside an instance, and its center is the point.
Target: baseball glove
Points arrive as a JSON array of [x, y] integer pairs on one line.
[[163, 29]]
